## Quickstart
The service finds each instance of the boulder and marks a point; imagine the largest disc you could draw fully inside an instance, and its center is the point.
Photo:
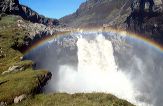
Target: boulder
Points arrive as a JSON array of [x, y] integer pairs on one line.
[[19, 98]]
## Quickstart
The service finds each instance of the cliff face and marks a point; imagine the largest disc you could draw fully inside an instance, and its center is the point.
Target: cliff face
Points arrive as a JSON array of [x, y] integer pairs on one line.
[[13, 7], [146, 21]]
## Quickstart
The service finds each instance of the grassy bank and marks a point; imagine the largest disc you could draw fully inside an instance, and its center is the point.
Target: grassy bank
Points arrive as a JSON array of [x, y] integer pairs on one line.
[[23, 79], [80, 99]]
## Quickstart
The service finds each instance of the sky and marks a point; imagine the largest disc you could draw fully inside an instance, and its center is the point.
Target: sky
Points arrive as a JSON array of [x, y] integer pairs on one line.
[[53, 8]]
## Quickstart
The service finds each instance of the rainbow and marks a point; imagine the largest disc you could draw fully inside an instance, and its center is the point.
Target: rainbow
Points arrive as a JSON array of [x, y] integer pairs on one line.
[[120, 32]]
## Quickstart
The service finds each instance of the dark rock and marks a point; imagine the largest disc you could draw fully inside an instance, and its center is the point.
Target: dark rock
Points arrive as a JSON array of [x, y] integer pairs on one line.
[[9, 6], [147, 22], [42, 81], [36, 18]]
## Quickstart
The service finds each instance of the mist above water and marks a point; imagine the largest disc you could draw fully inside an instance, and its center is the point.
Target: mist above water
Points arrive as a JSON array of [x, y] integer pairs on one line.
[[103, 62]]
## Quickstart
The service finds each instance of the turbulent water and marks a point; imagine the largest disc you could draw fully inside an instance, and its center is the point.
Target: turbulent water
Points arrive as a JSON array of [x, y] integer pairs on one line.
[[103, 62]]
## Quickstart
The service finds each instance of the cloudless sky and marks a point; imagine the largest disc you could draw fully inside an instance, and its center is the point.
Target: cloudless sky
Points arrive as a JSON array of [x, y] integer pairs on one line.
[[53, 8]]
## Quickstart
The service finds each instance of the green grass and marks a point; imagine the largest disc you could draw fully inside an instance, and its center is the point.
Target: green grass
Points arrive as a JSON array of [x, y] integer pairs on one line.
[[8, 20], [80, 99], [9, 35], [15, 83], [25, 82]]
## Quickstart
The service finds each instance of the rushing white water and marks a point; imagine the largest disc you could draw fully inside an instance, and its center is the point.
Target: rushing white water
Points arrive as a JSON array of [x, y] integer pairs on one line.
[[103, 62], [96, 72]]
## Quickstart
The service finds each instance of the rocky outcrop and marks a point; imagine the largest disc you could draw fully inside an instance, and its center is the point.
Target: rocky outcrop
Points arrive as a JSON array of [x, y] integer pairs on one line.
[[18, 67], [35, 32], [36, 18], [42, 81], [13, 68], [13, 7]]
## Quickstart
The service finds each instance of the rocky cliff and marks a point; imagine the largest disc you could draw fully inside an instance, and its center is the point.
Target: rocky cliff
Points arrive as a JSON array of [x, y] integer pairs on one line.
[[13, 7], [146, 21]]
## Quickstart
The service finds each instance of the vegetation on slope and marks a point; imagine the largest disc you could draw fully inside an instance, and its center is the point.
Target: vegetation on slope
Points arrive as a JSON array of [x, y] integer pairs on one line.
[[80, 99], [9, 34], [18, 78]]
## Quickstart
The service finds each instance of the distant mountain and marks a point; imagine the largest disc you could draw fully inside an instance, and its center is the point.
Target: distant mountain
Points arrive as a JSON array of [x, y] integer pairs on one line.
[[13, 7], [98, 12]]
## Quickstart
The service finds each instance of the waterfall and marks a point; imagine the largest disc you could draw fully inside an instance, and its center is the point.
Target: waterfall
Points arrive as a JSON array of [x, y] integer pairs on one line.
[[103, 62], [96, 71], [95, 55]]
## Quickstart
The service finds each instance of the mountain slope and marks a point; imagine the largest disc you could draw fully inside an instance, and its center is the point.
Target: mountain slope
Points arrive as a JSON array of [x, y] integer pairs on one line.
[[97, 12]]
